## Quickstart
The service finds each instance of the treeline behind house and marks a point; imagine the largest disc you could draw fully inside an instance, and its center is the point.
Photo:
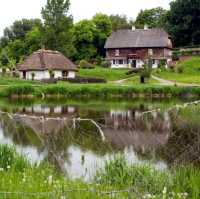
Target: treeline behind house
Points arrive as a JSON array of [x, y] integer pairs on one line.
[[86, 39]]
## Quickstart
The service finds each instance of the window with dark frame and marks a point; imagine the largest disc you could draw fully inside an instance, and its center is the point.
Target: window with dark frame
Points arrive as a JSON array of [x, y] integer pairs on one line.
[[121, 62]]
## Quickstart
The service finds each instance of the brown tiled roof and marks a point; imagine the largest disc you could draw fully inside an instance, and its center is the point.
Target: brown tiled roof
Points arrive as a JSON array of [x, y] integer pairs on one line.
[[139, 38], [45, 60]]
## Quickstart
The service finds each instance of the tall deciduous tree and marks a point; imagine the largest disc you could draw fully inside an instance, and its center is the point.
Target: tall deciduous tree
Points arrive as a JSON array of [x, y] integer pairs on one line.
[[103, 30], [151, 17], [184, 22], [84, 35], [119, 22], [58, 26]]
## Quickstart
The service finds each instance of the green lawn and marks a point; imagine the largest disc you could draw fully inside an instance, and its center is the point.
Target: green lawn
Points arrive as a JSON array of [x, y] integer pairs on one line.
[[190, 74], [4, 81], [136, 80], [105, 73]]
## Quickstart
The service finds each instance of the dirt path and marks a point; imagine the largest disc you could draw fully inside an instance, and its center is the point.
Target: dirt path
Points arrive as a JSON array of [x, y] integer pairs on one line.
[[121, 81], [171, 83]]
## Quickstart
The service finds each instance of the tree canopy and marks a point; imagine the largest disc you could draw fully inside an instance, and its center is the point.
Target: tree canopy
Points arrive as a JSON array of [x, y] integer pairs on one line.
[[183, 22], [151, 17], [86, 38], [57, 31]]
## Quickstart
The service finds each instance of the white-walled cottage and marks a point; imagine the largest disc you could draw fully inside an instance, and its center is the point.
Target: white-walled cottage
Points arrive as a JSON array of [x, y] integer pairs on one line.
[[42, 63]]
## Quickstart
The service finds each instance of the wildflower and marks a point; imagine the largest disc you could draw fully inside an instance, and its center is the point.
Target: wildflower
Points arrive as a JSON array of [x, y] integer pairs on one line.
[[8, 167], [50, 180], [1, 169], [165, 193]]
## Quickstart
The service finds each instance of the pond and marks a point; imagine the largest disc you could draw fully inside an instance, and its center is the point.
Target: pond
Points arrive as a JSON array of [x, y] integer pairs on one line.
[[78, 137]]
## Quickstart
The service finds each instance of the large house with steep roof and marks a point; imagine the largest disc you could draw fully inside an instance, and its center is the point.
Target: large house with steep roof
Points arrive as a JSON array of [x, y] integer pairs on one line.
[[132, 48], [40, 63]]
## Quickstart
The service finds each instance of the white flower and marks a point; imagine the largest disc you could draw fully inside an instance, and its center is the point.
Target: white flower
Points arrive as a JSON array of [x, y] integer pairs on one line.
[[8, 167], [50, 180], [1, 169]]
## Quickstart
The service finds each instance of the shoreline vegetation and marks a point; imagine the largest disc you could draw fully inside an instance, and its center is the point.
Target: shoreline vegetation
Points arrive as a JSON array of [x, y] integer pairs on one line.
[[117, 178], [103, 91]]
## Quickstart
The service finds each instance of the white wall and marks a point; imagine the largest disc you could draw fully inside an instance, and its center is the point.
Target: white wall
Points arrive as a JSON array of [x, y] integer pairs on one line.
[[139, 64], [39, 75], [71, 74]]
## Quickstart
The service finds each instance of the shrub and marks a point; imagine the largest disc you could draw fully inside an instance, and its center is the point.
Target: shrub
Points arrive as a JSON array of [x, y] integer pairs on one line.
[[20, 90], [105, 64], [162, 63], [86, 65], [32, 76], [85, 80], [3, 71], [175, 55], [51, 73], [179, 69]]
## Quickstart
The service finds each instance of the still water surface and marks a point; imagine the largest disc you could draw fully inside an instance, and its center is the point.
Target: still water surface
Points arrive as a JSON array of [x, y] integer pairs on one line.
[[77, 137]]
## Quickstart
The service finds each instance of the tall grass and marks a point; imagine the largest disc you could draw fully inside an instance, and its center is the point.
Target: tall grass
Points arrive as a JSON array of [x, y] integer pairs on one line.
[[177, 182], [100, 91], [23, 180]]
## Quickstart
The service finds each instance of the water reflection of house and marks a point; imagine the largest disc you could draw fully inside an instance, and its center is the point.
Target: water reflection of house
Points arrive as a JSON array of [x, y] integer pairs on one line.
[[45, 119], [49, 110], [130, 128]]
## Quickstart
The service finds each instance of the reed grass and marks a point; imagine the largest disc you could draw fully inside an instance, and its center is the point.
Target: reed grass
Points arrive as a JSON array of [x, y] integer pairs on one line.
[[100, 91], [23, 180]]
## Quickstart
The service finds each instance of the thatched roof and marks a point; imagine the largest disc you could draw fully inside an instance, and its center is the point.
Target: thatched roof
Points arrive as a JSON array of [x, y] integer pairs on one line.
[[139, 38], [45, 60]]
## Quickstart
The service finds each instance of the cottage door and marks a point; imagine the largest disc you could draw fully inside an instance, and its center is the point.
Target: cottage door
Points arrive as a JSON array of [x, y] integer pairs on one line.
[[134, 64], [24, 74]]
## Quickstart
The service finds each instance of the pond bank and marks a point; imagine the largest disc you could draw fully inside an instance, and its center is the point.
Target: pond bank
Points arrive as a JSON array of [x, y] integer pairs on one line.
[[118, 178], [104, 91]]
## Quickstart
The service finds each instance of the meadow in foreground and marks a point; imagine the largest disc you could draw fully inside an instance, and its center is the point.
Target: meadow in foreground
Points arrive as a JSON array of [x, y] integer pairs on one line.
[[20, 179]]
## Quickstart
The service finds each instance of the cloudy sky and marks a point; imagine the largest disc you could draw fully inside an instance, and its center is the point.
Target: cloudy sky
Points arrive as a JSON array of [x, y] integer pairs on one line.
[[11, 10]]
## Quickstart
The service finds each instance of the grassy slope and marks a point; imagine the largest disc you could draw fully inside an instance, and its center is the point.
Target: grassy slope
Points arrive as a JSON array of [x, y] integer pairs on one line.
[[4, 81], [191, 72], [106, 73]]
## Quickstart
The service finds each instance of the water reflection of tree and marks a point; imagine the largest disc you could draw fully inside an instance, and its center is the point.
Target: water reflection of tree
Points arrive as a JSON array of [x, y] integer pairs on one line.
[[183, 146], [19, 134]]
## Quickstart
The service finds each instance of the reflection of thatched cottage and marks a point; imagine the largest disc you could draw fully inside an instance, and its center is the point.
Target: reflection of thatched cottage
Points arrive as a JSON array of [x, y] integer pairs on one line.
[[39, 65]]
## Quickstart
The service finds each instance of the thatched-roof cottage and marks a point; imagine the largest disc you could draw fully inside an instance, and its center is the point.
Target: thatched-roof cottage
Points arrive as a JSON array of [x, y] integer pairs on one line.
[[130, 48], [43, 63]]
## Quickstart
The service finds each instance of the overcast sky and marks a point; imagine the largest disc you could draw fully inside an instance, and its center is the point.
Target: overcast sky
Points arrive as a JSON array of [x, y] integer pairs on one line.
[[11, 10]]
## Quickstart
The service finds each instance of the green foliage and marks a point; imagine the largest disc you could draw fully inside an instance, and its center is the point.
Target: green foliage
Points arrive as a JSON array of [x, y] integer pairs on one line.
[[103, 30], [58, 26], [119, 22], [105, 73], [105, 64], [179, 69], [146, 179], [23, 89], [175, 55], [9, 159], [84, 36], [183, 22], [32, 76], [152, 17], [190, 71], [51, 73], [18, 41], [85, 65]]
